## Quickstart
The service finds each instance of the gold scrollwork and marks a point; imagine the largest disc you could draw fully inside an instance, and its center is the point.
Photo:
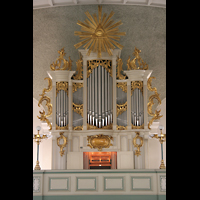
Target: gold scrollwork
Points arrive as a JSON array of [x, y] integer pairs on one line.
[[62, 145], [119, 69], [62, 128], [42, 116], [57, 65], [156, 114], [78, 128], [138, 146], [132, 63], [78, 108], [137, 127], [107, 64], [121, 127], [123, 86], [121, 108], [79, 69], [76, 86], [91, 127], [136, 84], [99, 141], [62, 85]]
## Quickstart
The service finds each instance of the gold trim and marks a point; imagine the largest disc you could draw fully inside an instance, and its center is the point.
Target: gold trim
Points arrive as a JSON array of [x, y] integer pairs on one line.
[[138, 146], [137, 127], [99, 141], [62, 85], [79, 69], [91, 64], [156, 114], [76, 86], [42, 116], [132, 63], [78, 128], [121, 127], [121, 108], [62, 128], [91, 127], [62, 145], [100, 34], [123, 86], [78, 108], [119, 69], [136, 84], [57, 65]]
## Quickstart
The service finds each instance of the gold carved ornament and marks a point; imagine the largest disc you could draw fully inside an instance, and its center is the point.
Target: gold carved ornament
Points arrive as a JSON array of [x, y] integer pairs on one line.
[[123, 86], [42, 116], [119, 69], [132, 63], [99, 141], [78, 128], [67, 65], [121, 127], [78, 108], [136, 84], [156, 114], [99, 35], [138, 146], [107, 64], [62, 145], [62, 85], [76, 86], [79, 70], [91, 127], [121, 108]]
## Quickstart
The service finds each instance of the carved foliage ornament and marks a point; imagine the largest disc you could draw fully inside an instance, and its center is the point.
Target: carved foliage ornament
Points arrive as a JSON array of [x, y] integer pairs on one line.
[[99, 141], [138, 146], [79, 70], [67, 65], [62, 85], [63, 144], [43, 116], [156, 114], [132, 63]]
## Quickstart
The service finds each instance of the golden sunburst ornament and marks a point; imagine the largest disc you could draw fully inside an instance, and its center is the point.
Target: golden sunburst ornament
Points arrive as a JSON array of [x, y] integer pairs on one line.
[[99, 34]]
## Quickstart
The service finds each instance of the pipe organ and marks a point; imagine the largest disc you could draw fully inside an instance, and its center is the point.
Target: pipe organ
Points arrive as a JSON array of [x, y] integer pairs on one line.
[[100, 100]]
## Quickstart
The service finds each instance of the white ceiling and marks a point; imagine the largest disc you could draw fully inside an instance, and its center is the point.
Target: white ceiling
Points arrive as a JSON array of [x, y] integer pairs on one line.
[[37, 4]]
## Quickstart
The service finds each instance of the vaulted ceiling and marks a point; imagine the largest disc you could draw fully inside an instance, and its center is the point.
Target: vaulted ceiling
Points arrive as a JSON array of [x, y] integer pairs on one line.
[[37, 4]]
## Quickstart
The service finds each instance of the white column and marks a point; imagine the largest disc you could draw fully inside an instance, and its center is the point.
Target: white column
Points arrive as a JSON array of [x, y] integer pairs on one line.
[[128, 105], [54, 144], [145, 149]]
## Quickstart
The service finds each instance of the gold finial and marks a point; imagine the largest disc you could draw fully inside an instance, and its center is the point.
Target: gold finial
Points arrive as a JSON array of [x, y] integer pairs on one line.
[[99, 33], [67, 65], [132, 63]]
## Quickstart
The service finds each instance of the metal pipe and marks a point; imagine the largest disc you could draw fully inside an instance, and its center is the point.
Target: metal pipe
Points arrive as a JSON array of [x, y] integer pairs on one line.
[[93, 83], [64, 114], [111, 99], [106, 97], [102, 95], [66, 107], [57, 114], [99, 91], [61, 107], [95, 101], [88, 101]]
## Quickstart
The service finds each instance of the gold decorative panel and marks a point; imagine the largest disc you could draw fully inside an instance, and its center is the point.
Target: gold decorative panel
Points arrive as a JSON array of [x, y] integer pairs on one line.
[[99, 141], [62, 85], [136, 84]]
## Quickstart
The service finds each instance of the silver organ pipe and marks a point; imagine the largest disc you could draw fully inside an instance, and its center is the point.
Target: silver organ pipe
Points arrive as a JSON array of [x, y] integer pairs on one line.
[[88, 99], [99, 97], [61, 108], [137, 111]]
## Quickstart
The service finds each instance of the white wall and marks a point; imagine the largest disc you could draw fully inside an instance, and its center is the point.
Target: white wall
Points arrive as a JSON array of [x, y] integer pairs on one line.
[[45, 147]]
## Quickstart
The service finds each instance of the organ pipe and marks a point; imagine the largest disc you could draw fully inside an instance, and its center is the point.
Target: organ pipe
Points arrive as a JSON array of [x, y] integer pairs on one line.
[[100, 97]]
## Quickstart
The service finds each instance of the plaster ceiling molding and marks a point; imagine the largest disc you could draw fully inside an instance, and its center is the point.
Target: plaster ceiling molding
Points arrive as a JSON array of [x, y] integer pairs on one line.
[[37, 4]]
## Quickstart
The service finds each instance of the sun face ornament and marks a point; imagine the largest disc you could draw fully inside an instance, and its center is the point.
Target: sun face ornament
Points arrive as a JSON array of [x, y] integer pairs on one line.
[[99, 34]]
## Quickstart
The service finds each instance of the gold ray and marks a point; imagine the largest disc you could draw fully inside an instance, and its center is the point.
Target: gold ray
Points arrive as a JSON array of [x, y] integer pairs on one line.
[[114, 37], [90, 23], [113, 30], [114, 25], [111, 14], [95, 46], [95, 18], [103, 47], [99, 12], [90, 49], [88, 44], [108, 49], [99, 48], [108, 24], [90, 18], [81, 33], [116, 33], [85, 37], [104, 17], [117, 44], [81, 43], [84, 25], [110, 44]]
